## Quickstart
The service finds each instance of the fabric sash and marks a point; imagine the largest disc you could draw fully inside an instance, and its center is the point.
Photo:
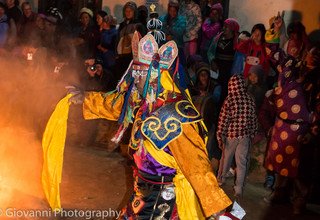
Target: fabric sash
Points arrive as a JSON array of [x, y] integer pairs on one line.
[[186, 199], [53, 142]]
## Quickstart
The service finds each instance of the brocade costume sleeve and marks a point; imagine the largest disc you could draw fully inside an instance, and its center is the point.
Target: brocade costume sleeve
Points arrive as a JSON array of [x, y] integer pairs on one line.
[[191, 156], [101, 105]]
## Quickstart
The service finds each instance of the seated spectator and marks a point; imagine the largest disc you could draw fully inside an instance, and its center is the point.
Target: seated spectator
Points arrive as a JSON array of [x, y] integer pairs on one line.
[[192, 62]]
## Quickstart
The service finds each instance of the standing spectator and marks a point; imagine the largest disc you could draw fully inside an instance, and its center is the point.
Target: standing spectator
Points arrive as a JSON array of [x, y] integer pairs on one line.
[[210, 28], [4, 26], [106, 48], [174, 26], [99, 18], [236, 128], [255, 50], [192, 13], [222, 51], [84, 35], [297, 44], [13, 10], [256, 85], [192, 63], [27, 23], [143, 15], [291, 125], [127, 27]]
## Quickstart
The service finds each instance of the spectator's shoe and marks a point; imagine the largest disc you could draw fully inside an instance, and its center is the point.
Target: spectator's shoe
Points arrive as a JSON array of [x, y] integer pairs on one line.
[[269, 182], [230, 173], [238, 198]]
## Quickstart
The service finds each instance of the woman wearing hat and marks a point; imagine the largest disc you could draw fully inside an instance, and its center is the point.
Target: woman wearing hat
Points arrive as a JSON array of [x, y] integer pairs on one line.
[[84, 35], [125, 32], [210, 28], [174, 26]]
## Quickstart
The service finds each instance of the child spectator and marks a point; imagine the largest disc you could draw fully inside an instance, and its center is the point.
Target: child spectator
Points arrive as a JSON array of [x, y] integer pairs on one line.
[[236, 128], [255, 49], [256, 85]]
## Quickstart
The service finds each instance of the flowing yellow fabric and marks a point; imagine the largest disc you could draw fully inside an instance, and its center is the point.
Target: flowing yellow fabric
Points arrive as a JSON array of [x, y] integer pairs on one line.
[[99, 105], [53, 142], [186, 199]]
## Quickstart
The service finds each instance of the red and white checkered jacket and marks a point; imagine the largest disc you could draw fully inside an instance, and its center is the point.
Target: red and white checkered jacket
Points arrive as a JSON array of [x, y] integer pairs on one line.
[[238, 116]]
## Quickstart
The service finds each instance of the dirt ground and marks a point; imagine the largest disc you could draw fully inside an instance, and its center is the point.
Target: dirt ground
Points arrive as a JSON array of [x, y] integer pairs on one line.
[[98, 179]]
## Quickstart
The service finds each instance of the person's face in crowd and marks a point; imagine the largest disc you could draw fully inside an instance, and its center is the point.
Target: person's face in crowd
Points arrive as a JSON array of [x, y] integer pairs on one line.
[[129, 13], [85, 19], [227, 32], [172, 11], [256, 36], [204, 77], [310, 58], [10, 3], [140, 81], [99, 20], [27, 11], [214, 15], [253, 78], [40, 22]]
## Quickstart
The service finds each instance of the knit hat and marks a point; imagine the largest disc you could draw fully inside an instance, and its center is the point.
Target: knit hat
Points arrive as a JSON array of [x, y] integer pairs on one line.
[[85, 10], [217, 7], [202, 66], [233, 24], [173, 3]]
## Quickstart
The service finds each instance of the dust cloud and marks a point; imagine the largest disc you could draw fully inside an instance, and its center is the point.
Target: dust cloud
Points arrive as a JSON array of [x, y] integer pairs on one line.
[[29, 91]]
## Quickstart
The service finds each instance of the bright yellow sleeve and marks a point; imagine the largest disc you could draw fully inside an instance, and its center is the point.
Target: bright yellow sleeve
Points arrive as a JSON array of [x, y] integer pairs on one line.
[[190, 153], [101, 105]]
